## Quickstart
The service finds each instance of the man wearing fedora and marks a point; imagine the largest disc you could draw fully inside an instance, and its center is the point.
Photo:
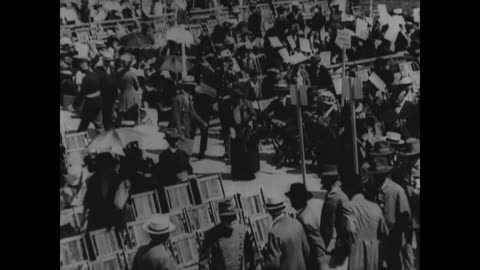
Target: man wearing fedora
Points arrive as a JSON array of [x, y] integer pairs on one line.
[[229, 245], [184, 115], [90, 93], [155, 255], [173, 164], [287, 247], [337, 220], [393, 201], [109, 88], [309, 212]]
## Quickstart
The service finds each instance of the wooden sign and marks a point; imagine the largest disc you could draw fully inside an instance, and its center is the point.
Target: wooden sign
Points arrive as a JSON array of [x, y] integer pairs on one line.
[[361, 29], [275, 42], [305, 45], [325, 58], [294, 95], [344, 39]]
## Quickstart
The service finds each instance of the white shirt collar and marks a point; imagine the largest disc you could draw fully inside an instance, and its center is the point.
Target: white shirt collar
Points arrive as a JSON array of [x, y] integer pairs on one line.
[[173, 150]]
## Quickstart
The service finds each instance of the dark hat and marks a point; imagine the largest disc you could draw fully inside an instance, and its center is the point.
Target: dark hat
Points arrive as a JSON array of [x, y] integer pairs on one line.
[[413, 148], [298, 190], [378, 165], [172, 134], [227, 207], [381, 148], [328, 170]]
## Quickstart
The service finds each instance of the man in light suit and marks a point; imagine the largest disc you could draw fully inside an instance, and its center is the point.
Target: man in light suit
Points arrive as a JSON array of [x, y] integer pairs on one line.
[[287, 246], [309, 213], [155, 255]]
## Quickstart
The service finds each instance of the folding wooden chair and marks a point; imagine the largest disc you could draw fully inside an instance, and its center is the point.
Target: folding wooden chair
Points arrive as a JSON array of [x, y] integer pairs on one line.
[[111, 262], [137, 237], [179, 196], [104, 243], [80, 216], [253, 205], [73, 252], [260, 226], [67, 216], [76, 141], [185, 249], [216, 215], [145, 205], [180, 219], [210, 187], [129, 257], [201, 217]]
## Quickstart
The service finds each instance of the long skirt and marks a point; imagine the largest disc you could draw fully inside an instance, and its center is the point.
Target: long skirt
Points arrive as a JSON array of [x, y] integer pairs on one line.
[[244, 159]]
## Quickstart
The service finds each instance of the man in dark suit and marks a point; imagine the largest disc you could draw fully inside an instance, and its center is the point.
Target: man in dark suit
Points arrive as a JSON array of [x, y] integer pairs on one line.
[[287, 247], [255, 19], [308, 213], [173, 164], [155, 255], [203, 104], [296, 17], [109, 89], [337, 221]]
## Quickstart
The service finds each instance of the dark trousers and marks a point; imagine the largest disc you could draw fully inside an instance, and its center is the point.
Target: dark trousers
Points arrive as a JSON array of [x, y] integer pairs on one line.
[[107, 114], [203, 136], [91, 112]]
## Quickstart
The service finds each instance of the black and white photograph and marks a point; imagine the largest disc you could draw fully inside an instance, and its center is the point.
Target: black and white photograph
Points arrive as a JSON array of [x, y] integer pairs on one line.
[[239, 135]]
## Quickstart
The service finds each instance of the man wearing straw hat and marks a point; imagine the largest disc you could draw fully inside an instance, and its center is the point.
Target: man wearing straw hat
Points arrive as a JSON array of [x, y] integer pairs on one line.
[[229, 245], [287, 247], [155, 255]]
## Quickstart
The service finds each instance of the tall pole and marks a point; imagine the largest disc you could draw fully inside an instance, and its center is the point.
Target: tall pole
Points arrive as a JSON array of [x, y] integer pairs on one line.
[[300, 127], [371, 9], [184, 62], [353, 119]]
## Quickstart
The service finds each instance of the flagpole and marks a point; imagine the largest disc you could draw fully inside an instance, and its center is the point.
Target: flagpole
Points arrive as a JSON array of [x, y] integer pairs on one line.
[[300, 128], [352, 117]]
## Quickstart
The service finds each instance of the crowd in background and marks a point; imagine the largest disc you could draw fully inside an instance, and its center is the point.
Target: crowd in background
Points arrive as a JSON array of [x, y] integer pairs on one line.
[[230, 71]]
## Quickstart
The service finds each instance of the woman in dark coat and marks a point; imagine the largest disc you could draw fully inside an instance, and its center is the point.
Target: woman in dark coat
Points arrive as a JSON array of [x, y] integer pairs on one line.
[[244, 144]]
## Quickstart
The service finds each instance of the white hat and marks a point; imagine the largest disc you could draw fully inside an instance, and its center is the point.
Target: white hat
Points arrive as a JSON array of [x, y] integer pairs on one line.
[[107, 56], [405, 81], [394, 138], [397, 11], [225, 53], [295, 4], [73, 175], [158, 225], [65, 41], [274, 204]]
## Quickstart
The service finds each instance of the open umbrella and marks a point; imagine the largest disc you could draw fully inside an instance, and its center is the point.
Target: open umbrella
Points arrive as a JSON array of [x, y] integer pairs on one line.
[[117, 139], [174, 64], [180, 34], [135, 40]]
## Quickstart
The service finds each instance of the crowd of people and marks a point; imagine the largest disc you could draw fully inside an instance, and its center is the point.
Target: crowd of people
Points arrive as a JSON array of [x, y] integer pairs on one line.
[[230, 72]]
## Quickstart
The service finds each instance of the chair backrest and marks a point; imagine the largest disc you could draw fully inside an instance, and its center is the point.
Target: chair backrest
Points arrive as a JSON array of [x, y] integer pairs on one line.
[[253, 205], [201, 217], [67, 216], [76, 141], [179, 196], [80, 217], [105, 243], [216, 216], [111, 262], [129, 257], [181, 222], [73, 251], [260, 226], [185, 249], [137, 236], [210, 187], [145, 205]]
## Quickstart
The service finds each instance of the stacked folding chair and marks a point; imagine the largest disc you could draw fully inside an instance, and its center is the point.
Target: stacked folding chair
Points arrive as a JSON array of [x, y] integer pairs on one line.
[[179, 196], [73, 253], [107, 250], [145, 205]]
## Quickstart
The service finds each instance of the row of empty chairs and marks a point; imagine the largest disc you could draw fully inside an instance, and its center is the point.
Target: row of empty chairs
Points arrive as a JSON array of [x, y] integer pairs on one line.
[[193, 214]]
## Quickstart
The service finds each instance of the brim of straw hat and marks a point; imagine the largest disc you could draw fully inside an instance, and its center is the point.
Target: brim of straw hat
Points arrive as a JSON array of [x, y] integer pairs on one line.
[[275, 207], [409, 154], [381, 154], [383, 170], [170, 228]]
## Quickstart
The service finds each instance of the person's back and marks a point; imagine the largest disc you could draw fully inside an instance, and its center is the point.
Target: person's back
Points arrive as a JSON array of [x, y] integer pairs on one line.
[[292, 244], [153, 257]]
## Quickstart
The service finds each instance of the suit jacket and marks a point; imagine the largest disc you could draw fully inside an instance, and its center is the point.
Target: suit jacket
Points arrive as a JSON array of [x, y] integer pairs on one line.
[[337, 217], [169, 165], [153, 257], [292, 19], [310, 218], [370, 228], [184, 114], [227, 249], [287, 246]]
